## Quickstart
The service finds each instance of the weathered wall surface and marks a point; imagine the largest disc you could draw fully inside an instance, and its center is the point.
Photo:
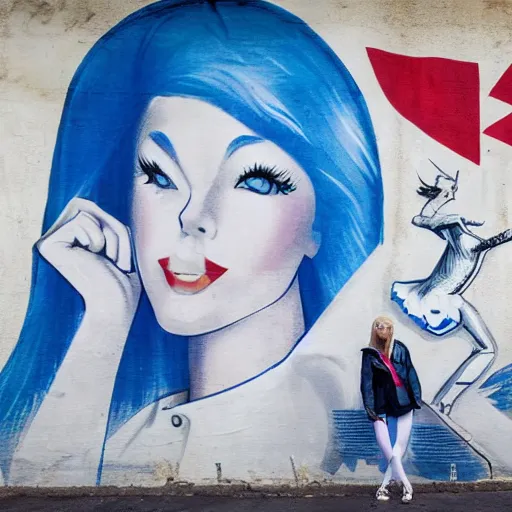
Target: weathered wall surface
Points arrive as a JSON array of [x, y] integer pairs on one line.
[[211, 260]]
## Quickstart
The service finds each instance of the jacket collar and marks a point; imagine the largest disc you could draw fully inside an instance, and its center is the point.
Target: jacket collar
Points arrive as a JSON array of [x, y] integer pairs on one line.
[[391, 348]]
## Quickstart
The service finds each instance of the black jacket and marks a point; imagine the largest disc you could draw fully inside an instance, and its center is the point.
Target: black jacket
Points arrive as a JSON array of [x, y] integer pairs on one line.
[[377, 386]]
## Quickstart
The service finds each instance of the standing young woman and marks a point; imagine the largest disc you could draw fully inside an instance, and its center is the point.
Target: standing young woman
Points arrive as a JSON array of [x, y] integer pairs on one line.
[[391, 391]]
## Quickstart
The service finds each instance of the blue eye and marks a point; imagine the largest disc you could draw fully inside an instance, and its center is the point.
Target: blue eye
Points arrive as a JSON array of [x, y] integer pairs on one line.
[[260, 186], [155, 175], [266, 181], [164, 181]]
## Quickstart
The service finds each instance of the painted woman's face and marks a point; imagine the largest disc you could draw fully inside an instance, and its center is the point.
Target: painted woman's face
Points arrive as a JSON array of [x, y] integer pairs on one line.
[[221, 218]]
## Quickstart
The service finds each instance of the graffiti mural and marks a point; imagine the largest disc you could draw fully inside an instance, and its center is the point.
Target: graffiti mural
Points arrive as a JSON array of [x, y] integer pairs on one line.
[[212, 250], [436, 303], [441, 98], [214, 185]]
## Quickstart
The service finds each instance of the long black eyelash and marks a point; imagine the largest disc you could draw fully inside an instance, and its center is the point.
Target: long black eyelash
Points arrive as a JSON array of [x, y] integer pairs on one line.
[[150, 169], [282, 179]]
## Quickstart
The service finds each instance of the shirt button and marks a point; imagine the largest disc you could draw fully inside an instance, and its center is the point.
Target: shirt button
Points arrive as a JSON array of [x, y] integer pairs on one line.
[[176, 420]]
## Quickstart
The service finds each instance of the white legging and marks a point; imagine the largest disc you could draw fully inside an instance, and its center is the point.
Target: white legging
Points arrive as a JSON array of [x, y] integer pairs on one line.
[[394, 454]]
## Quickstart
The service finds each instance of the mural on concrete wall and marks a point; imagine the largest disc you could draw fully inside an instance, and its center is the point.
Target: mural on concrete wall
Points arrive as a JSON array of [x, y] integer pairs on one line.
[[215, 183], [436, 303], [441, 97]]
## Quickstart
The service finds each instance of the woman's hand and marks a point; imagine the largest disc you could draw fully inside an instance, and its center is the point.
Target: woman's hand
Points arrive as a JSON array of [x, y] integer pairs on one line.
[[92, 250]]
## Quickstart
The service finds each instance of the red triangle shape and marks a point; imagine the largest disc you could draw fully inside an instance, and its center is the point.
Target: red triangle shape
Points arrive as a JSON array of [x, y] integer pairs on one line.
[[501, 130], [440, 96], [503, 88]]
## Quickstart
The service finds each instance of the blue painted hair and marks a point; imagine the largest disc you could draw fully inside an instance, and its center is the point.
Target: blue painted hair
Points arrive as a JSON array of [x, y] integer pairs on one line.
[[258, 63]]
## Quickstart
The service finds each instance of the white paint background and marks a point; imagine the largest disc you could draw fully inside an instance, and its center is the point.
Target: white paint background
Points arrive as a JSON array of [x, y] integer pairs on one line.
[[41, 48]]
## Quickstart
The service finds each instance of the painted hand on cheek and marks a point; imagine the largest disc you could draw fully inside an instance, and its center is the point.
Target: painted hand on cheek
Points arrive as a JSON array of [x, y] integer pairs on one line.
[[92, 251]]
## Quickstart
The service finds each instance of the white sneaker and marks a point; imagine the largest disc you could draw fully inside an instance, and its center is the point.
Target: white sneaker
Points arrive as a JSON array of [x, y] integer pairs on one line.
[[382, 494], [407, 496]]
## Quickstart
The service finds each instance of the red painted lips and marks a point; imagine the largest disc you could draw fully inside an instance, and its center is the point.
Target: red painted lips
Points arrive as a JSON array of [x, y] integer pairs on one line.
[[212, 273]]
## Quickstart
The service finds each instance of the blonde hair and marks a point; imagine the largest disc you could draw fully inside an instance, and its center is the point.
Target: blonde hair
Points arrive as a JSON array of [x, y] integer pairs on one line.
[[375, 341]]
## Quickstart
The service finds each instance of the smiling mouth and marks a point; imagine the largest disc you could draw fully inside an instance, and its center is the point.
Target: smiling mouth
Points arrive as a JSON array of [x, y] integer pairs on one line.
[[190, 282]]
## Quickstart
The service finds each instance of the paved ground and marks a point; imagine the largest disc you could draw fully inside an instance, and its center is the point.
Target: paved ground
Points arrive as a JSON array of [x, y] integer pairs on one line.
[[490, 501]]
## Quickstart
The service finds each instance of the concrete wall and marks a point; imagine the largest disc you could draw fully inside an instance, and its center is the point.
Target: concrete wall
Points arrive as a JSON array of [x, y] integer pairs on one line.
[[126, 370]]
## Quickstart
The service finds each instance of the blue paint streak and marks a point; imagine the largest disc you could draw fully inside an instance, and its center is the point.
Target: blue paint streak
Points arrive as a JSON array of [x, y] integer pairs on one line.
[[432, 448], [259, 64], [163, 142], [502, 382], [240, 142]]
